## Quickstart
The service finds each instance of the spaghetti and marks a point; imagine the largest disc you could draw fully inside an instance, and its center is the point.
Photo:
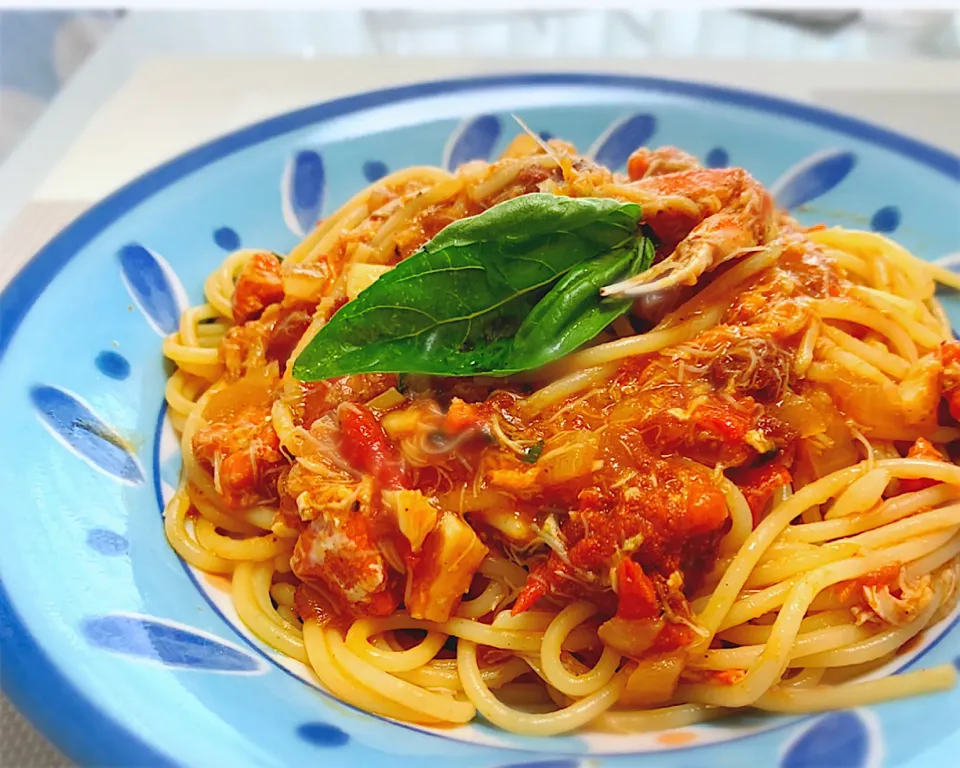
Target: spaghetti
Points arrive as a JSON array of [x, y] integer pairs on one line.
[[739, 495]]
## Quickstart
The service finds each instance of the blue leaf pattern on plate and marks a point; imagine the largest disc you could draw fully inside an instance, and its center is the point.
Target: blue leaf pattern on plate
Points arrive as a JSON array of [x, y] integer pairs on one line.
[[112, 364], [153, 286], [80, 430], [621, 138], [227, 238], [107, 543], [886, 219], [812, 178], [303, 190], [374, 170], [473, 139], [145, 638], [717, 157], [322, 734], [840, 740]]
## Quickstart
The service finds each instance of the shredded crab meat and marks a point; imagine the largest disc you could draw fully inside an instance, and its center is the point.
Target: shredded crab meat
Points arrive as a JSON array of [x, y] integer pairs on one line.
[[550, 535], [886, 608], [519, 447], [731, 216]]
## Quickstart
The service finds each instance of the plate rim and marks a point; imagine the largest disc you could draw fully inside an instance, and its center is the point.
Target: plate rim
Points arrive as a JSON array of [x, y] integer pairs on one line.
[[75, 725]]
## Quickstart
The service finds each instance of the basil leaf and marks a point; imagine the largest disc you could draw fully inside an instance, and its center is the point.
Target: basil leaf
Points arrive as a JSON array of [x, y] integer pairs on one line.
[[533, 453], [455, 306], [573, 312]]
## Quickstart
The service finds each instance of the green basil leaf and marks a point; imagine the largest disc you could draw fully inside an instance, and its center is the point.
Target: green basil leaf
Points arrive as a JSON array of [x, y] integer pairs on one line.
[[533, 453], [455, 306], [573, 312]]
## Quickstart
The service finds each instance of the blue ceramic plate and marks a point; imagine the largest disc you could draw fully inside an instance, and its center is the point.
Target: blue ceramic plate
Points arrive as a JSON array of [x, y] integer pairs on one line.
[[123, 656]]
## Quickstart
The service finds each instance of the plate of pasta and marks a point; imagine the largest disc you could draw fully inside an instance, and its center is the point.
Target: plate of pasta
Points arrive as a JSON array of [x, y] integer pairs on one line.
[[538, 420]]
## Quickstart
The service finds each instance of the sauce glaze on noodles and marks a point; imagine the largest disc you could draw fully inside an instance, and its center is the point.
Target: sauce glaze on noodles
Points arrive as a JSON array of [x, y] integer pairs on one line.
[[745, 504]]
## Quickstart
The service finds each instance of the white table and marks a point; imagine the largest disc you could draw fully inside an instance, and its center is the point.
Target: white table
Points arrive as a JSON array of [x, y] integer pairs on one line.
[[154, 91]]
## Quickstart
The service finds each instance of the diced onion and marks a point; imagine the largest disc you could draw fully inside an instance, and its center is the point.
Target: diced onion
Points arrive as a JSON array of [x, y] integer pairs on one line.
[[362, 276], [389, 399], [653, 681]]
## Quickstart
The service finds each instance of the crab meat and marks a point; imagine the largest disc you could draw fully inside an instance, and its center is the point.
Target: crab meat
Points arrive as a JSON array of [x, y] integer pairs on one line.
[[645, 162], [886, 608], [443, 570], [337, 551], [416, 515], [718, 214]]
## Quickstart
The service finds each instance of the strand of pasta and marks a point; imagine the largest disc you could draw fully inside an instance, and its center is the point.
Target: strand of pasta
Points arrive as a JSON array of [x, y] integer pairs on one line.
[[890, 511], [256, 548], [813, 494], [875, 645], [440, 706], [891, 364], [831, 697], [775, 655], [210, 511], [337, 680], [251, 598], [754, 634], [661, 719], [550, 654], [357, 641], [741, 518], [567, 719], [443, 673], [182, 540], [759, 603], [803, 645], [874, 243]]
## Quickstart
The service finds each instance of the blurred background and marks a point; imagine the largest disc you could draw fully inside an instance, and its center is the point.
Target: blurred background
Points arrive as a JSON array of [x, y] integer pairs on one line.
[[40, 51]]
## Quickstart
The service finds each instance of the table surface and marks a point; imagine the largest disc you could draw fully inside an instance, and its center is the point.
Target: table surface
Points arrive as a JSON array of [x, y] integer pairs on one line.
[[691, 44], [154, 90]]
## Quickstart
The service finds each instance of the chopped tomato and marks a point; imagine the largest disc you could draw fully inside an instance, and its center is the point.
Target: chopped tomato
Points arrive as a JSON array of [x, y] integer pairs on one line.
[[644, 162], [950, 352], [706, 507], [728, 424], [921, 449], [885, 576], [310, 603], [382, 604], [724, 676], [535, 588], [237, 473], [338, 304], [291, 323], [258, 286], [953, 403], [638, 597], [672, 637], [461, 416], [758, 485], [950, 358], [366, 446]]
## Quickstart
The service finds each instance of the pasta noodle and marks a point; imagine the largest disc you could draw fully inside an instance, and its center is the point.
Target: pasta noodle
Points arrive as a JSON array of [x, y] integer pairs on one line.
[[747, 503]]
